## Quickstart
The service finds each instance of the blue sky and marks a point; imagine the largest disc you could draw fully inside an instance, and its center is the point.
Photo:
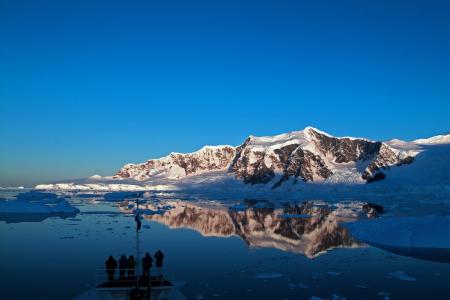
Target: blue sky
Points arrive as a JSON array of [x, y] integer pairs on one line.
[[86, 86]]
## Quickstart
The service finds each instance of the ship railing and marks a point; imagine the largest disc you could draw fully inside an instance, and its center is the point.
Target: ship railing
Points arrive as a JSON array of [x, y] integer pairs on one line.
[[101, 275]]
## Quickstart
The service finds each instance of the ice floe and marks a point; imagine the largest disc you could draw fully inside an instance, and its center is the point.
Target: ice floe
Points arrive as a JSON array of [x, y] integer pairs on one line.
[[400, 275], [361, 286], [20, 206], [333, 273], [420, 237], [121, 196], [35, 206], [35, 195]]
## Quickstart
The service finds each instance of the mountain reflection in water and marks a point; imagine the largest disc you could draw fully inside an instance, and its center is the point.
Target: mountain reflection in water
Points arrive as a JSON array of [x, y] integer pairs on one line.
[[309, 228]]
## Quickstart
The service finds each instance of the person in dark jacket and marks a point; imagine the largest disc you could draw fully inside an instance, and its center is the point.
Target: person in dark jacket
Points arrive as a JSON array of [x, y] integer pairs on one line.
[[123, 264], [131, 266], [147, 262], [159, 256], [111, 265]]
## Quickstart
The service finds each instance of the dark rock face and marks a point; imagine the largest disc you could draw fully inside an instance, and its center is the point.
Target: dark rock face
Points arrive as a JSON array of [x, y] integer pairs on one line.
[[252, 172], [191, 163], [372, 210], [345, 149], [378, 176], [406, 161], [385, 158], [292, 160], [303, 164]]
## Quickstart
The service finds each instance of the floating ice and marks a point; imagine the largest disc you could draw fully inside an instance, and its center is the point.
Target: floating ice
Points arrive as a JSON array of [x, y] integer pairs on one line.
[[121, 196], [84, 195], [401, 276], [333, 274], [428, 231], [35, 195], [21, 206], [268, 275], [384, 294], [14, 211], [360, 286]]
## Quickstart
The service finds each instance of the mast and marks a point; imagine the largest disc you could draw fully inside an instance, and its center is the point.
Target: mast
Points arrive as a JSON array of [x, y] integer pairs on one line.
[[138, 220]]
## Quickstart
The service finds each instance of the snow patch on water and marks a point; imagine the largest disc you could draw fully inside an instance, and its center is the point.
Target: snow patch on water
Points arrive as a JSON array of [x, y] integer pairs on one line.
[[333, 274], [400, 275]]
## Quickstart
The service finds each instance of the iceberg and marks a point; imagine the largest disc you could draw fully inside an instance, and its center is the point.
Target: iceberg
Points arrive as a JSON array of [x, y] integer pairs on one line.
[[419, 237], [35, 207], [400, 275]]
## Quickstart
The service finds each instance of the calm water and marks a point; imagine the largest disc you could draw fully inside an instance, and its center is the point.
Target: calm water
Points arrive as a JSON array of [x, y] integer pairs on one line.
[[211, 251]]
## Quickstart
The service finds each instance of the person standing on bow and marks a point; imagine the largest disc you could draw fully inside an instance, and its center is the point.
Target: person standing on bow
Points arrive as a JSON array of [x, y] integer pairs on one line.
[[131, 266], [159, 256], [123, 264], [111, 265], [147, 263]]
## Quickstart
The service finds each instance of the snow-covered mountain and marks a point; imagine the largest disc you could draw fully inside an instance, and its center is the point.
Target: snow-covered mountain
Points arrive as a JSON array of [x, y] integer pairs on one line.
[[307, 155], [271, 167]]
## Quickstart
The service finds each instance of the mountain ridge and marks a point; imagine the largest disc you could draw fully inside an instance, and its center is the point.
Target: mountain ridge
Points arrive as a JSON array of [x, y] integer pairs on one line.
[[306, 155]]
